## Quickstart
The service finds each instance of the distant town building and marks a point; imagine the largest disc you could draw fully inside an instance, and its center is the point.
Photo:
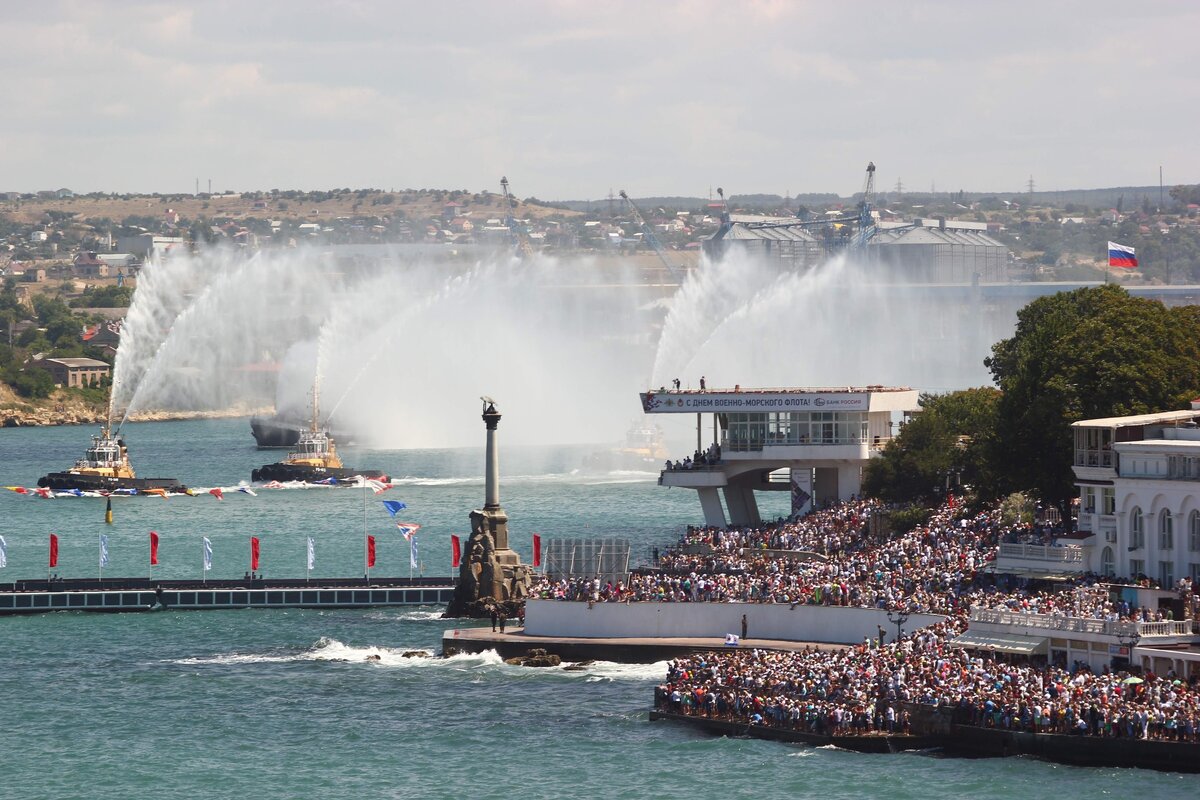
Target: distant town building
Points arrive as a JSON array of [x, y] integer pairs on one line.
[[104, 335], [73, 372], [87, 265], [144, 245]]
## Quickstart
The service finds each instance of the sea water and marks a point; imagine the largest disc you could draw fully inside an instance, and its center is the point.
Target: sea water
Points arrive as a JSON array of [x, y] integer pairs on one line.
[[286, 704]]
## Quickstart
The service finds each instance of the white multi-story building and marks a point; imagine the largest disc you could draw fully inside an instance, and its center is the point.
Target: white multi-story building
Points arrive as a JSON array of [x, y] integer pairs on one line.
[[1139, 495], [1139, 517]]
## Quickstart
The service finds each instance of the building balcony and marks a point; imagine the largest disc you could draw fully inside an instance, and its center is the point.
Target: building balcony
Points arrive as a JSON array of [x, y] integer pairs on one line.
[[1040, 559], [1177, 631]]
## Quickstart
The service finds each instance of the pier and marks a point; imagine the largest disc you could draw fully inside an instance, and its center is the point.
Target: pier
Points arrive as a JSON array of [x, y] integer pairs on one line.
[[143, 594]]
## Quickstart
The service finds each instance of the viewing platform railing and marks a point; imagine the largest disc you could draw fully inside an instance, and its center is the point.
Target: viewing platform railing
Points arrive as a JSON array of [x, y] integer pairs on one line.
[[1052, 622], [1036, 552]]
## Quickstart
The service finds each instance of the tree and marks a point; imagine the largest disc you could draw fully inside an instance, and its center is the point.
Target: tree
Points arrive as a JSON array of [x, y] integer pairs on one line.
[[943, 446], [1086, 354]]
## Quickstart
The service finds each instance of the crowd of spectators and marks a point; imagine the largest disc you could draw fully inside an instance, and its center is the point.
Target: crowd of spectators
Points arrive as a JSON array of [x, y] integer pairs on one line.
[[868, 690], [708, 458], [837, 557], [926, 569]]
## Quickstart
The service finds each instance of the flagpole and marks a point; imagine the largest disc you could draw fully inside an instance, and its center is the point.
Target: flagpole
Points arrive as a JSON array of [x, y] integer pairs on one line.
[[366, 558]]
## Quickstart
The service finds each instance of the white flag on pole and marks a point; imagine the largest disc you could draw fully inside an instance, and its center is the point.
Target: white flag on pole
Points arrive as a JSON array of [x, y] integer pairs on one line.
[[412, 553], [103, 550], [312, 553], [207, 554], [3, 552]]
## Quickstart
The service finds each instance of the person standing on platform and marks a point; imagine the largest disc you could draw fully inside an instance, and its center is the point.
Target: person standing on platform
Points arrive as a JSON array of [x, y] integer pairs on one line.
[[503, 619], [703, 385], [494, 619]]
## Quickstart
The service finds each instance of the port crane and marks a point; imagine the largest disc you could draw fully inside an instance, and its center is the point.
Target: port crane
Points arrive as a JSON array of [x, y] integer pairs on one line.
[[648, 234], [863, 220], [516, 231]]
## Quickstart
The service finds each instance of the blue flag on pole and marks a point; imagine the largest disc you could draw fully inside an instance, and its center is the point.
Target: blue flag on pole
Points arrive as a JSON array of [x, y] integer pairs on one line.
[[393, 507]]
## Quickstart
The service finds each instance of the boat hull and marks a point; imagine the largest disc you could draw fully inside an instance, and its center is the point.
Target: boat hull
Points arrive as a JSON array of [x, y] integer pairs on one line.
[[272, 433], [284, 472], [269, 433], [67, 481]]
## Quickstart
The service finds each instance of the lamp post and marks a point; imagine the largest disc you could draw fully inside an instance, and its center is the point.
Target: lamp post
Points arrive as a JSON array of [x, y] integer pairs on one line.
[[898, 618], [1129, 637]]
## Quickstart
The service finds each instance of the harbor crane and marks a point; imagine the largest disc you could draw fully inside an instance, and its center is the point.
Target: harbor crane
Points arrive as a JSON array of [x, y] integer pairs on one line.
[[648, 234], [517, 235], [866, 220], [863, 221]]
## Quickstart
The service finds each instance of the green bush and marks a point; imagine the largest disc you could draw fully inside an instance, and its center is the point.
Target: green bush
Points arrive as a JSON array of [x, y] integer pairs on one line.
[[903, 520]]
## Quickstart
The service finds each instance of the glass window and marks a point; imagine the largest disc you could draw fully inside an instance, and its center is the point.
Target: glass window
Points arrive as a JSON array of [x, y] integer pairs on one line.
[[1194, 532], [1108, 499], [1137, 530], [1108, 565], [1166, 530], [1136, 567], [1166, 576]]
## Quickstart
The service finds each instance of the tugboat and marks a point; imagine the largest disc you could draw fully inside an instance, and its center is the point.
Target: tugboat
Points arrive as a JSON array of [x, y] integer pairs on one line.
[[105, 467], [315, 460]]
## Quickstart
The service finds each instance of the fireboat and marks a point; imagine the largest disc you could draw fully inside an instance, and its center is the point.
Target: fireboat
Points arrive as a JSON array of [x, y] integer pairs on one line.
[[315, 459], [105, 467]]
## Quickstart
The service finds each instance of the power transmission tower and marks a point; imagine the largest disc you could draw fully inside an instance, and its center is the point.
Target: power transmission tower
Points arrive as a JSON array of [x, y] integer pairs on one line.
[[1030, 185], [899, 186]]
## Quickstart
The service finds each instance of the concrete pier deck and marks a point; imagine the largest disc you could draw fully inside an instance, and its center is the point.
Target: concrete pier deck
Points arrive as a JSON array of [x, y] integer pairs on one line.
[[634, 650]]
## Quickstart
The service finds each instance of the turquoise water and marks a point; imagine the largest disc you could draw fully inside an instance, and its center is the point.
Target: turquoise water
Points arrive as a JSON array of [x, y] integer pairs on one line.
[[283, 704]]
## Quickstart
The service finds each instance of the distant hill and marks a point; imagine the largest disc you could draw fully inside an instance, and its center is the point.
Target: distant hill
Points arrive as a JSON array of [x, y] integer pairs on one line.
[[681, 203]]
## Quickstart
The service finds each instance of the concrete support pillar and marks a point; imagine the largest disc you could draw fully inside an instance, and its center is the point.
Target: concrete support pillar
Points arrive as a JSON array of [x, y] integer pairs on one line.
[[710, 503], [743, 508], [825, 485], [849, 482]]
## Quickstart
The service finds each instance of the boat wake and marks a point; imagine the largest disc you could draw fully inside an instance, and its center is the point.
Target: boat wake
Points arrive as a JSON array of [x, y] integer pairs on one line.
[[328, 649]]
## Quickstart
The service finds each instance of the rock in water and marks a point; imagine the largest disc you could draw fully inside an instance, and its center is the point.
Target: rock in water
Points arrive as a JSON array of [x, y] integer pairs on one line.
[[535, 658]]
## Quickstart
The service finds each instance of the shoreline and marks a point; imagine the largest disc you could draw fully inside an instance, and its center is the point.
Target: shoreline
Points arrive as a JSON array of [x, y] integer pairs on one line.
[[53, 417]]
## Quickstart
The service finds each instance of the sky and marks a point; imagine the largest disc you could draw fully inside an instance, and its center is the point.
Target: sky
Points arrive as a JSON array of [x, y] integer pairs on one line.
[[573, 99]]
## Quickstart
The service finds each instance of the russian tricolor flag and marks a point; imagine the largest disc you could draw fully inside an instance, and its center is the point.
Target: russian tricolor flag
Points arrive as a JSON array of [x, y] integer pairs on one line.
[[1122, 256]]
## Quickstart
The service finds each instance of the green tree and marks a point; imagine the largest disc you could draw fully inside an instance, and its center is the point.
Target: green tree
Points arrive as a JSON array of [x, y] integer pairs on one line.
[[945, 445], [1090, 353]]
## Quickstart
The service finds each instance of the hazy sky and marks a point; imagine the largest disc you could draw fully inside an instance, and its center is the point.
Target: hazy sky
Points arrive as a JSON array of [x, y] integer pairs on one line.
[[569, 99]]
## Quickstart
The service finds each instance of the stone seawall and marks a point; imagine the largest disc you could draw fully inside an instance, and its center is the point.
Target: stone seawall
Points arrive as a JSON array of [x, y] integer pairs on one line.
[[934, 728]]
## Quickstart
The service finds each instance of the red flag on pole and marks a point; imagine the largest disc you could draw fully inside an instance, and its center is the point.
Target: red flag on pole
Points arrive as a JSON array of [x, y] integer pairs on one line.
[[53, 551], [370, 551], [537, 550], [153, 548], [455, 551], [254, 553]]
